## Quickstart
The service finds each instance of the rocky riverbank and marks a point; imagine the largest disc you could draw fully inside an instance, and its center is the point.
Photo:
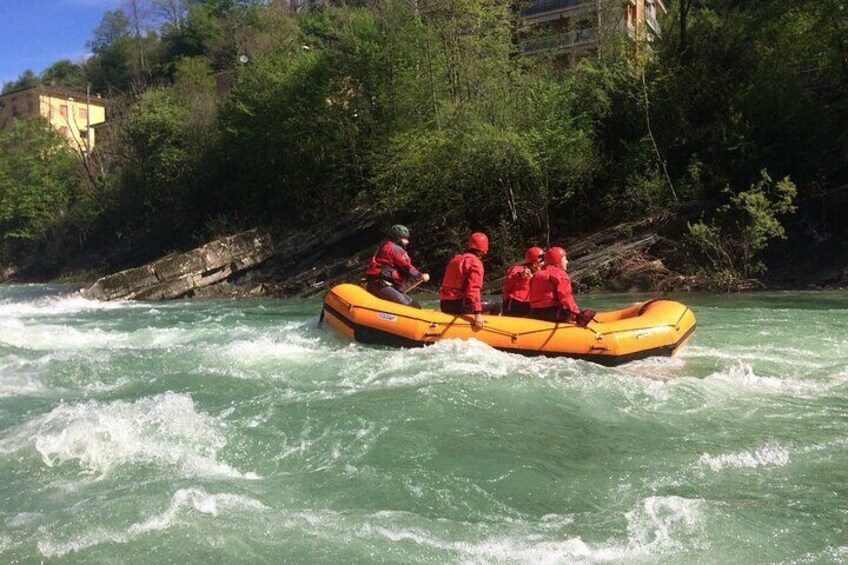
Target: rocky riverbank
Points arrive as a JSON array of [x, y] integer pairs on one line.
[[644, 256]]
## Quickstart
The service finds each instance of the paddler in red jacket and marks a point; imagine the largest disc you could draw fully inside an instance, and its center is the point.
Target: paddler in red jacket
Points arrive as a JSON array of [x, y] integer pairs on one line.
[[551, 297], [462, 286], [391, 268], [516, 285]]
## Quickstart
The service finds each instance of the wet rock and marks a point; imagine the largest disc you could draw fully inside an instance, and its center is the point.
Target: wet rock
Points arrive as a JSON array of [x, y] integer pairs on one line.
[[182, 274], [7, 272]]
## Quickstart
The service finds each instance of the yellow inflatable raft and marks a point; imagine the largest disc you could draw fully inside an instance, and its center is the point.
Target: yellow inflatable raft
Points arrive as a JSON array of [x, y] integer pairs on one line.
[[654, 328]]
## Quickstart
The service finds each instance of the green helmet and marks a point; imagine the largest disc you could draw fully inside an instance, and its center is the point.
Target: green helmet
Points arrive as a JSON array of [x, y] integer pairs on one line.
[[398, 231]]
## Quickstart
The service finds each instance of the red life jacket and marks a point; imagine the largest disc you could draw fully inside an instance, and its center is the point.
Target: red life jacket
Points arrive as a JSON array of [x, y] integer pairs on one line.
[[552, 287], [464, 280], [516, 285], [391, 263]]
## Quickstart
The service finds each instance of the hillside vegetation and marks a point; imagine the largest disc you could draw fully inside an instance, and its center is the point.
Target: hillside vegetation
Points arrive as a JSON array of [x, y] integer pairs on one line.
[[227, 114]]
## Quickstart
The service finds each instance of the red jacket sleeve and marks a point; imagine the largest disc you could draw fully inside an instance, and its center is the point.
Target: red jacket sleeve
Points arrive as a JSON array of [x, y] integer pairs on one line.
[[474, 286], [404, 264], [565, 295]]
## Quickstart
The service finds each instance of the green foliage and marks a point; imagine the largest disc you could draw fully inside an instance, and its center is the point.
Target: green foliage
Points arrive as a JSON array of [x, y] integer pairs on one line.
[[743, 227], [477, 174], [37, 178], [426, 110], [25, 80], [299, 122], [110, 71], [164, 142], [65, 74], [113, 27]]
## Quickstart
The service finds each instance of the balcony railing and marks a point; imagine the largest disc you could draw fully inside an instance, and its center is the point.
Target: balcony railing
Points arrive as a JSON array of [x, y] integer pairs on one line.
[[541, 6], [651, 19], [578, 38]]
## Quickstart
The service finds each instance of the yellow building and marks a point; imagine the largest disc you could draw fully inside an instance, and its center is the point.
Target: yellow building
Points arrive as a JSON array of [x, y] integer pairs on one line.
[[576, 28], [71, 113]]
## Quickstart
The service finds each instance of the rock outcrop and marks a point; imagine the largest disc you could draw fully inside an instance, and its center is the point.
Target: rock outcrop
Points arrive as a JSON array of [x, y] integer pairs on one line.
[[181, 274], [310, 262]]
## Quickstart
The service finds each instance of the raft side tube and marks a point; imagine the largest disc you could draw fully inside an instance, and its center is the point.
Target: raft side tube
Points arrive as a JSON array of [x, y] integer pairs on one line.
[[658, 327]]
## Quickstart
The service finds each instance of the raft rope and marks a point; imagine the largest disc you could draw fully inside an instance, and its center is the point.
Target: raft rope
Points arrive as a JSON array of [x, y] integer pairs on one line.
[[512, 335], [515, 335]]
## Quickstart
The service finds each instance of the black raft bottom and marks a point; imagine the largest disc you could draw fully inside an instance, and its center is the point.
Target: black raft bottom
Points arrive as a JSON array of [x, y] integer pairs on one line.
[[373, 336]]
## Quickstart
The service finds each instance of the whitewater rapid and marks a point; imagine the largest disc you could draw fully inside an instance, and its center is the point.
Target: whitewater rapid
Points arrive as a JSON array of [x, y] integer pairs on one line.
[[237, 431]]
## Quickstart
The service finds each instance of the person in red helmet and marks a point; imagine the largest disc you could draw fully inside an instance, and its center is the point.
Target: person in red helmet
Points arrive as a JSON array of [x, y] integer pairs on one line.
[[462, 286], [551, 297], [391, 268], [516, 285]]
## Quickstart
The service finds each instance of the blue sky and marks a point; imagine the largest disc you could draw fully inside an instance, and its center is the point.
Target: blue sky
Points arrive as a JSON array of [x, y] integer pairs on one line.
[[35, 33]]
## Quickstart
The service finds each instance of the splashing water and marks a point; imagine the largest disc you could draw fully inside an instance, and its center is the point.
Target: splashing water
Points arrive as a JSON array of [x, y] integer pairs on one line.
[[235, 431]]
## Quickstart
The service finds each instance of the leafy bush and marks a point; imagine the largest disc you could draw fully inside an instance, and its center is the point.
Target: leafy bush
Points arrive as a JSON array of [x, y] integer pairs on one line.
[[38, 173], [742, 228]]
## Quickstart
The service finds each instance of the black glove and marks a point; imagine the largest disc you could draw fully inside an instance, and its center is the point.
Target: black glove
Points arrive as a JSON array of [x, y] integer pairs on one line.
[[584, 317]]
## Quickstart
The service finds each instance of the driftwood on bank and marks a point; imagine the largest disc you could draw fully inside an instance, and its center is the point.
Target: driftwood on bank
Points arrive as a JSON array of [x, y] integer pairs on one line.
[[180, 274]]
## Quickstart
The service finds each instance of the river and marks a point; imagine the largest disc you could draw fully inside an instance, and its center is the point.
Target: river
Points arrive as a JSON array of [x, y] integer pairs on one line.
[[235, 431]]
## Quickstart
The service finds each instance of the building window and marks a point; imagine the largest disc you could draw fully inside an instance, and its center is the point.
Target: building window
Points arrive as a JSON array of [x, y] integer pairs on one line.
[[63, 130], [14, 110], [83, 113], [63, 110], [30, 106]]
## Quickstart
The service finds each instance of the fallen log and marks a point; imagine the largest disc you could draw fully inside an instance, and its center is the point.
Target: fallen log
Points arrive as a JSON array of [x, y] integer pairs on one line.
[[180, 274]]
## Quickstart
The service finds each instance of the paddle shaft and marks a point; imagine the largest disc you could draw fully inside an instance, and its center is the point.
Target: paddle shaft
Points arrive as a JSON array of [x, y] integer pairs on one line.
[[414, 285]]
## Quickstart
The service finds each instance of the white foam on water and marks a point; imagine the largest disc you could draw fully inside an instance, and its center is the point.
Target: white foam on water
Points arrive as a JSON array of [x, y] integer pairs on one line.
[[770, 454], [799, 360], [740, 375], [266, 350], [657, 525], [443, 361], [829, 555], [660, 521], [60, 305], [19, 385], [654, 368], [505, 549], [20, 376], [49, 337], [165, 430], [185, 501], [253, 349], [23, 519], [55, 337]]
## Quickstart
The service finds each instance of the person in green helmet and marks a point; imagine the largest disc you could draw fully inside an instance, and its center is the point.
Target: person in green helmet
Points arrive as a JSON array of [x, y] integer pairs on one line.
[[390, 269]]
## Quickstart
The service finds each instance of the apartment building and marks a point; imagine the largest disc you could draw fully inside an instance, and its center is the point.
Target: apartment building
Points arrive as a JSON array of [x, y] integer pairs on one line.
[[72, 114], [573, 29]]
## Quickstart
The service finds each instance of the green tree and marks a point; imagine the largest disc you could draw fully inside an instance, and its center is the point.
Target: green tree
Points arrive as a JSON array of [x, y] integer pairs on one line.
[[37, 175], [24, 80], [64, 73]]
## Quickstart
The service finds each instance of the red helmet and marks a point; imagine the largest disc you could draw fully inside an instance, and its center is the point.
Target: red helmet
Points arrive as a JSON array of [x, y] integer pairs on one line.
[[479, 242], [534, 255], [554, 256]]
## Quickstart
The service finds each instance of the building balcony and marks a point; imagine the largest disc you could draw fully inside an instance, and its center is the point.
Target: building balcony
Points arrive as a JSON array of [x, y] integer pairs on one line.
[[580, 40], [540, 7], [653, 24]]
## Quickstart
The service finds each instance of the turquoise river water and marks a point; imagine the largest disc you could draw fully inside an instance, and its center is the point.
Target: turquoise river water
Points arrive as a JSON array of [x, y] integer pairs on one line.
[[237, 432]]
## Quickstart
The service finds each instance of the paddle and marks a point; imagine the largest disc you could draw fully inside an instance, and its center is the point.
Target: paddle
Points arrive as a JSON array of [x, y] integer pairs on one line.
[[414, 285]]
